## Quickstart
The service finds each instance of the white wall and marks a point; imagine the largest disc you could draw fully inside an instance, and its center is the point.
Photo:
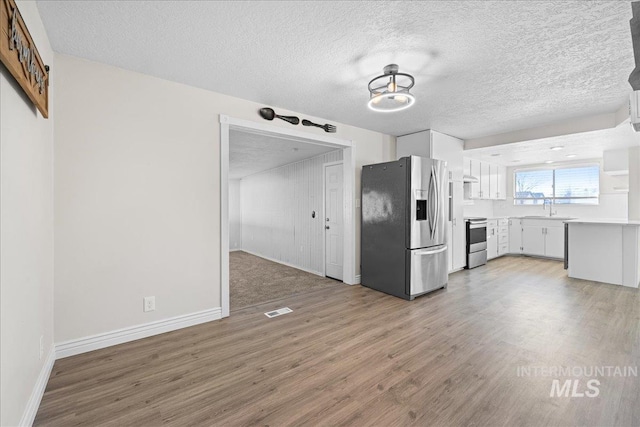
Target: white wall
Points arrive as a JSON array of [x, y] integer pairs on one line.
[[26, 240], [613, 204], [276, 213], [478, 208], [138, 194], [235, 215]]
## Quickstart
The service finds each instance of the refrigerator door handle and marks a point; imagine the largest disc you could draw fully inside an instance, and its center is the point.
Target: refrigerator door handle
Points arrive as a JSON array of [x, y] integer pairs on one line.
[[436, 186], [430, 201], [430, 252]]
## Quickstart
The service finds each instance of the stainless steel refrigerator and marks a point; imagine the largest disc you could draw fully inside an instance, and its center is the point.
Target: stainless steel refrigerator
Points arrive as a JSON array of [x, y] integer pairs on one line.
[[404, 233]]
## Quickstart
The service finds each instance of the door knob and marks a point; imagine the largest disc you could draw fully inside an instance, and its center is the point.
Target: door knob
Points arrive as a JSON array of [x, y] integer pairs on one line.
[[327, 219], [326, 226]]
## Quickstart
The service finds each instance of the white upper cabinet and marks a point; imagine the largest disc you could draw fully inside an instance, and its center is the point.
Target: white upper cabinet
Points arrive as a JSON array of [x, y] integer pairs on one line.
[[498, 182], [485, 180], [449, 149], [492, 178], [474, 170], [434, 145], [501, 193], [416, 144]]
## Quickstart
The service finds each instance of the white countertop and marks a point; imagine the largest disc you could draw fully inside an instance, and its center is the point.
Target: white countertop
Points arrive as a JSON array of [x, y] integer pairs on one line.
[[604, 221], [550, 218]]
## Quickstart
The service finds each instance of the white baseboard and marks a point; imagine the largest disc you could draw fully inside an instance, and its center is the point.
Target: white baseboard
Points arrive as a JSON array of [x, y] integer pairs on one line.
[[107, 339], [235, 250], [38, 390], [317, 273], [357, 281]]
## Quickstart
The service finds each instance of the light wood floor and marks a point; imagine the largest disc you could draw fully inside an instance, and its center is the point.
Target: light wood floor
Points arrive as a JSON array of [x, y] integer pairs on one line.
[[254, 280], [354, 356]]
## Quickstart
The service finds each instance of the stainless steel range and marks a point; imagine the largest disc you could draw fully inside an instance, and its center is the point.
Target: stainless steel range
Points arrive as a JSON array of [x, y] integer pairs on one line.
[[476, 242]]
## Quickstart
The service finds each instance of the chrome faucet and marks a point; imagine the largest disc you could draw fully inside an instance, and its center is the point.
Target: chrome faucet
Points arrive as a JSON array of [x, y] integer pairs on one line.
[[544, 206]]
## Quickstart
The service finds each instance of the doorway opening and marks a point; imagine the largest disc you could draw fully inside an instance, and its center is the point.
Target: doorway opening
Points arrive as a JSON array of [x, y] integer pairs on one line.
[[287, 219]]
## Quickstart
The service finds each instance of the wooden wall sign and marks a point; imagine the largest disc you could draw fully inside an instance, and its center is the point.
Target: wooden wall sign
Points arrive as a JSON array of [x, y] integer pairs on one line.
[[20, 55]]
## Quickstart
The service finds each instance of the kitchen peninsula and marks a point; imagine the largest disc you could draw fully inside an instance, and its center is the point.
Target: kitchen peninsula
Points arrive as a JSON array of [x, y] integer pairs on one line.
[[605, 251]]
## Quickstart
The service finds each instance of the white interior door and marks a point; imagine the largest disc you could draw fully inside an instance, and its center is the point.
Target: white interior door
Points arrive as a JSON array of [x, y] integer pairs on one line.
[[333, 228]]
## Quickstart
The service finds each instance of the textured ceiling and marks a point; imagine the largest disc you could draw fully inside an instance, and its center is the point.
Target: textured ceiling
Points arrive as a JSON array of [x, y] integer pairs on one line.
[[251, 153], [481, 68], [586, 145]]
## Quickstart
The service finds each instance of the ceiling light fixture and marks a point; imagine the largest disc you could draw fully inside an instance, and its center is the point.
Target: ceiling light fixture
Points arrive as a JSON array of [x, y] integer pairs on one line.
[[390, 91], [571, 155], [557, 148], [549, 162]]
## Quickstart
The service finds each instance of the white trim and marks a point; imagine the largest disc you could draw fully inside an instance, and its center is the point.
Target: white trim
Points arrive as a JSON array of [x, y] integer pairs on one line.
[[224, 215], [357, 281], [317, 273], [268, 129], [349, 159], [33, 404], [119, 336], [349, 230], [235, 250]]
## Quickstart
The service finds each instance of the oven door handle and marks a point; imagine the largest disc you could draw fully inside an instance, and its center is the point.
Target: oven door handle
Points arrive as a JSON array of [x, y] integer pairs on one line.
[[477, 225]]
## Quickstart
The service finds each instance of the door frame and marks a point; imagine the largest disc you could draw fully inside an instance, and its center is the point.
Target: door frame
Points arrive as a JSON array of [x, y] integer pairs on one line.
[[228, 123], [324, 215]]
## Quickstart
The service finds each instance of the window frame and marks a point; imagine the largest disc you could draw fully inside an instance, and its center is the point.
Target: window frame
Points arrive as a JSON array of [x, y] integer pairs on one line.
[[553, 185]]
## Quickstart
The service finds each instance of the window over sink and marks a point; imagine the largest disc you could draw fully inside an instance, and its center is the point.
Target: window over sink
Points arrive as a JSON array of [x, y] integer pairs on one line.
[[560, 185]]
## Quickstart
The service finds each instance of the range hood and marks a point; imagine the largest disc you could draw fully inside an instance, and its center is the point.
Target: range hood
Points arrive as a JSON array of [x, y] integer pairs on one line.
[[469, 178]]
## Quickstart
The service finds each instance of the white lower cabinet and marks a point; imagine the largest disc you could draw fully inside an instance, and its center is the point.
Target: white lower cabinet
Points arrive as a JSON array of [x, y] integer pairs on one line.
[[539, 237], [515, 235], [497, 237], [554, 241], [503, 237], [492, 239], [533, 240]]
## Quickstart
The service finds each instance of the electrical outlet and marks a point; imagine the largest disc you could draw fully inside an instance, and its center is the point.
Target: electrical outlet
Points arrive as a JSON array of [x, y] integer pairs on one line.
[[41, 346], [149, 304]]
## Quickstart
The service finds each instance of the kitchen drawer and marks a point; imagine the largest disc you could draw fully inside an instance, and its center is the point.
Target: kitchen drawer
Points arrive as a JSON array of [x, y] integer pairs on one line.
[[503, 239], [492, 223], [503, 229], [503, 222], [503, 248]]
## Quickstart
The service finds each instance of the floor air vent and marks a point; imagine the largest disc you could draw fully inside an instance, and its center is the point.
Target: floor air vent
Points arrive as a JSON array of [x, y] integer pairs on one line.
[[278, 312]]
